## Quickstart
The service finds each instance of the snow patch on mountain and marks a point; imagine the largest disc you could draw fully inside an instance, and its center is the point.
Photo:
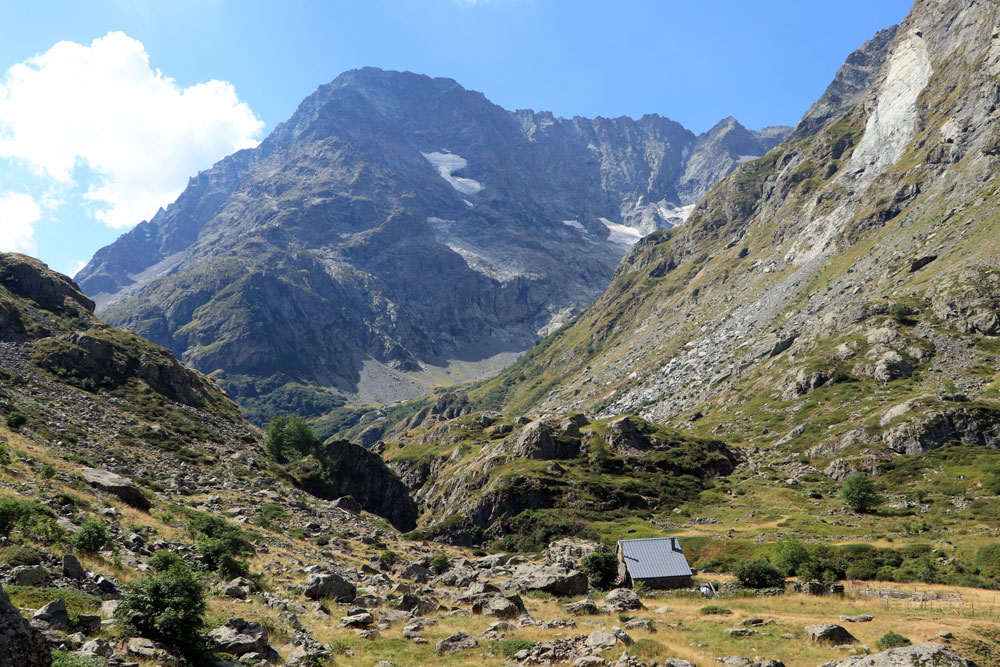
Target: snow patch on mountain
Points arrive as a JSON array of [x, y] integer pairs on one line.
[[621, 234], [447, 164]]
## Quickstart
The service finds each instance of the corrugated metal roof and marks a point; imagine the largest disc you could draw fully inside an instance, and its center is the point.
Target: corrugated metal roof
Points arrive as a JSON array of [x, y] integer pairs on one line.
[[654, 557]]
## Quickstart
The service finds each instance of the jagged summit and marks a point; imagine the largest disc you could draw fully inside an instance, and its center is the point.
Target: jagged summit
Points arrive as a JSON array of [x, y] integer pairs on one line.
[[398, 231]]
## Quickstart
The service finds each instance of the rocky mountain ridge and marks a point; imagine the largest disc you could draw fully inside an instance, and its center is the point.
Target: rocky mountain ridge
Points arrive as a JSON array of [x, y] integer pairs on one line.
[[836, 297], [398, 232]]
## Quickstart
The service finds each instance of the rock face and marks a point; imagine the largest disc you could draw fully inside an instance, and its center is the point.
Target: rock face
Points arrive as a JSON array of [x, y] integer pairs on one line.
[[849, 84], [397, 222], [907, 128], [354, 471], [238, 636], [918, 655], [20, 644], [118, 486]]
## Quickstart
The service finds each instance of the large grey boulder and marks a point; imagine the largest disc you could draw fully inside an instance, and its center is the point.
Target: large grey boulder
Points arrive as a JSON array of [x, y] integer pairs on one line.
[[498, 605], [537, 441], [457, 642], [28, 575], [556, 580], [622, 599], [571, 550], [928, 654], [20, 644], [828, 633], [52, 616], [238, 637], [322, 586], [117, 485]]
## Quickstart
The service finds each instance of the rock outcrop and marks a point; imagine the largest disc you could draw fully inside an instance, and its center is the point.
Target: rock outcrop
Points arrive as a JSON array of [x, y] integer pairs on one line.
[[918, 655], [20, 644]]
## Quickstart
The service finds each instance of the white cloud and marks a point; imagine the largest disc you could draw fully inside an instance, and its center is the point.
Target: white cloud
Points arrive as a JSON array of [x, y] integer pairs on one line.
[[18, 214], [103, 107]]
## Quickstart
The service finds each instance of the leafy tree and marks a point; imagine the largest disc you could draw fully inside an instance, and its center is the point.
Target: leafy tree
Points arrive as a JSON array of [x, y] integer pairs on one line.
[[163, 560], [167, 606], [789, 555], [758, 574], [275, 440], [860, 493], [12, 513], [601, 569], [91, 537], [291, 437]]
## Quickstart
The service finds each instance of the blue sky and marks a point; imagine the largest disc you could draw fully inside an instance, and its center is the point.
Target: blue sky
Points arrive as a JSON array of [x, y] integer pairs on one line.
[[95, 135]]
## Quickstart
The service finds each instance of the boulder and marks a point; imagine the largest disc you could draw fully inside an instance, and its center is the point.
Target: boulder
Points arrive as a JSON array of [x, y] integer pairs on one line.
[[457, 642], [571, 550], [71, 567], [117, 485], [828, 633], [416, 572], [537, 441], [560, 581], [622, 599], [52, 616], [20, 644], [498, 605], [322, 586], [238, 636], [361, 620], [917, 655], [601, 640], [98, 647], [583, 608], [28, 575]]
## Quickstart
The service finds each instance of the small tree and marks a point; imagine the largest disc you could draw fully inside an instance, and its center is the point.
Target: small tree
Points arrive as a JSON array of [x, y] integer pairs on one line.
[[15, 420], [91, 537], [758, 574], [860, 493], [601, 569], [167, 606], [790, 555], [275, 441]]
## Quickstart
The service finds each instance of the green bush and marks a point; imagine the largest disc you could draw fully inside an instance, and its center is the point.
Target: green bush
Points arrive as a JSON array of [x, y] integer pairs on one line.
[[511, 647], [789, 555], [860, 493], [388, 558], [15, 420], [291, 438], [715, 610], [47, 471], [21, 514], [4, 454], [163, 560], [224, 554], [759, 574], [165, 606], [649, 649], [439, 563], [601, 569], [91, 537], [20, 555], [891, 640]]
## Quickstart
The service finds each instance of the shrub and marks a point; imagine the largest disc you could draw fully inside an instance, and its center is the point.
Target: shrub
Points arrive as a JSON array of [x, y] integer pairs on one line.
[[91, 537], [715, 610], [20, 555], [291, 436], [15, 420], [163, 560], [388, 558], [4, 454], [166, 606], [601, 569], [892, 640], [649, 649], [511, 647], [860, 493], [439, 563], [22, 514], [47, 472], [223, 554], [758, 574]]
